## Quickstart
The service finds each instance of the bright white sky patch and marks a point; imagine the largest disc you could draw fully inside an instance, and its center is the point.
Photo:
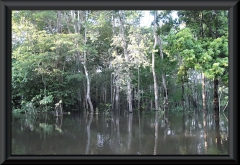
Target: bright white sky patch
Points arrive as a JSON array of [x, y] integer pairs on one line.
[[147, 18]]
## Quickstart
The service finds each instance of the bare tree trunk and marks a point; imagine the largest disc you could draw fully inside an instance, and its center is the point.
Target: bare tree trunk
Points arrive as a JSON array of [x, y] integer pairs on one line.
[[67, 20], [129, 90], [85, 69], [138, 106], [165, 101], [153, 63], [116, 96], [165, 90], [195, 94], [88, 87], [113, 95], [59, 29], [183, 100], [73, 17], [111, 90], [85, 104], [220, 95], [79, 22]]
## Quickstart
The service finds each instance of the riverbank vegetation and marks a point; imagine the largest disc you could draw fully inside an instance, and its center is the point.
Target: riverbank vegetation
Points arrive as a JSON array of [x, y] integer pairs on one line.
[[104, 61]]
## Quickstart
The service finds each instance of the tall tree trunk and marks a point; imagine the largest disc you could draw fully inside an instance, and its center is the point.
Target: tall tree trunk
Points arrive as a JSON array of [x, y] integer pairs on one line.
[[163, 77], [183, 100], [195, 94], [129, 90], [138, 95], [67, 20], [113, 97], [85, 103], [59, 29], [204, 112], [88, 87], [111, 89], [85, 68], [73, 18], [79, 22], [153, 63], [215, 102], [116, 96]]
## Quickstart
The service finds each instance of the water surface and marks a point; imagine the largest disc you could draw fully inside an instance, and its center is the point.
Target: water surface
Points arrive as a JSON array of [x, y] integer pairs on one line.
[[110, 134]]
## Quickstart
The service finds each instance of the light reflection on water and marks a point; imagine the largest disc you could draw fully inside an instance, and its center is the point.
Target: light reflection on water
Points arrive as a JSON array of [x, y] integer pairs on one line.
[[102, 134]]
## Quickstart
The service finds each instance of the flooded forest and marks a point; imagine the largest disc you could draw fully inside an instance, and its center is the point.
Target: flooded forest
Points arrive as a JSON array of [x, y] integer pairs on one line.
[[120, 82]]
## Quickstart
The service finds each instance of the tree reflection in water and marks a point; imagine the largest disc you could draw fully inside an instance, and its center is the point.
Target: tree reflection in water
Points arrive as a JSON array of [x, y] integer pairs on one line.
[[127, 133]]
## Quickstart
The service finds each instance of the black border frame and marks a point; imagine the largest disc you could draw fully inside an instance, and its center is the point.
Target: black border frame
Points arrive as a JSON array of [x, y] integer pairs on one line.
[[5, 76]]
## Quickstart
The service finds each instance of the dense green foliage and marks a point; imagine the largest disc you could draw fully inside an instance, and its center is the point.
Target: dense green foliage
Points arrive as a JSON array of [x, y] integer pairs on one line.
[[56, 53]]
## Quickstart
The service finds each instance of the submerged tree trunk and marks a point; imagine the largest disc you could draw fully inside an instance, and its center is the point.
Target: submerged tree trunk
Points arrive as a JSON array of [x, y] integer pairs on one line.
[[130, 116], [139, 132], [153, 63], [85, 69], [215, 102], [116, 102], [118, 128], [88, 133], [218, 138], [204, 112], [156, 133], [205, 134], [204, 100]]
